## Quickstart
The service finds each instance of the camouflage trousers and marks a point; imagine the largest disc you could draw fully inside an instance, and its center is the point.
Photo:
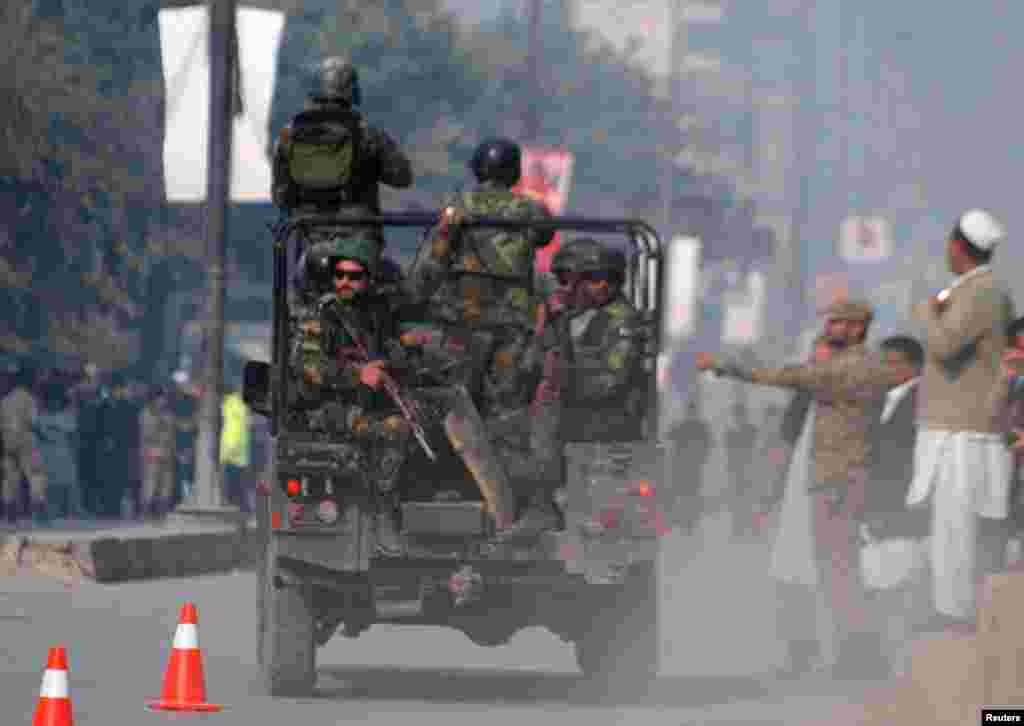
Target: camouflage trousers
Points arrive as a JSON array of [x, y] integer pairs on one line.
[[490, 364], [23, 463], [158, 483], [526, 442]]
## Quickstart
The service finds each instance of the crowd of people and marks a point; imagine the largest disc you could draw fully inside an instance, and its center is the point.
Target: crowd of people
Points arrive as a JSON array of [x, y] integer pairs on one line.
[[902, 467], [84, 446]]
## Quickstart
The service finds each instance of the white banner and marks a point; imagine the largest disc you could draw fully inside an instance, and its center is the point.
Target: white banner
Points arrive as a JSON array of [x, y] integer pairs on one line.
[[865, 239], [744, 310], [682, 283], [184, 43]]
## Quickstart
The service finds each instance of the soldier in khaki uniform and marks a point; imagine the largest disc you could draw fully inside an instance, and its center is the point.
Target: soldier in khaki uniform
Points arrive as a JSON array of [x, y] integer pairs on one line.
[[18, 412], [157, 433], [844, 388]]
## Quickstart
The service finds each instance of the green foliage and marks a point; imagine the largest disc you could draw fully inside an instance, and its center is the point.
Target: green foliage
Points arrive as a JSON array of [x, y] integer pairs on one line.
[[80, 161], [81, 152]]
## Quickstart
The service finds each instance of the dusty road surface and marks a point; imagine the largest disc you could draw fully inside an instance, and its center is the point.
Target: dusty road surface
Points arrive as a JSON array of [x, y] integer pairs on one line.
[[119, 638]]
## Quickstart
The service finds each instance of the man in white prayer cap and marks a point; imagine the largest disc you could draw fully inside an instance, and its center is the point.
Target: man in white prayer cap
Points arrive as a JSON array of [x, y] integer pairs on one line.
[[962, 462]]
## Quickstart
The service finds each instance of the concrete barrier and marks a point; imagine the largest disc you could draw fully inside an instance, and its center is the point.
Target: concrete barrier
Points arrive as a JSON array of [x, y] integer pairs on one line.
[[151, 551]]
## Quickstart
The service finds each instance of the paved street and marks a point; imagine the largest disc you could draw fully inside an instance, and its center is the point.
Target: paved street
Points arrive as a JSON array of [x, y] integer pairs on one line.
[[118, 638]]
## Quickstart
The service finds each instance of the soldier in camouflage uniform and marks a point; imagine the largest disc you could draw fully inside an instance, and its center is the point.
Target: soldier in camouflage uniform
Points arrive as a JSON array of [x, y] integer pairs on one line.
[[18, 413], [591, 387], [844, 387], [360, 347], [157, 439], [478, 286], [341, 178], [351, 321]]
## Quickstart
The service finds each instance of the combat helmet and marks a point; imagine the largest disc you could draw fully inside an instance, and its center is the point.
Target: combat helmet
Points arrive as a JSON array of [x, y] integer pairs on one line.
[[497, 160], [337, 80], [588, 255], [322, 256]]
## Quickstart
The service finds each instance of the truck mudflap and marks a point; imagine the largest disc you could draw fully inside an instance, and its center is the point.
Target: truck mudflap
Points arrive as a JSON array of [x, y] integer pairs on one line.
[[615, 508]]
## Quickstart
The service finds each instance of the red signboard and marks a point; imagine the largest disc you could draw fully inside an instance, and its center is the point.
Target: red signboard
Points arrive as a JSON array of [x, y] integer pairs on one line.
[[546, 177]]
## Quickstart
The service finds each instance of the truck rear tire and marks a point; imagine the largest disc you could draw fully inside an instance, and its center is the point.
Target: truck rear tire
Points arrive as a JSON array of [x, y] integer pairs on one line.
[[621, 646], [288, 649]]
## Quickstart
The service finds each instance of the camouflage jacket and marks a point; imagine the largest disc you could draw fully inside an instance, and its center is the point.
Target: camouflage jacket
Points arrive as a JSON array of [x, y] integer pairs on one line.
[[487, 276], [380, 161], [596, 370], [375, 322], [844, 388]]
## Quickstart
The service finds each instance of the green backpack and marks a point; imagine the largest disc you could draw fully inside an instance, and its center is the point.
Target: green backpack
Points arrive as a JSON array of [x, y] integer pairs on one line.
[[323, 153]]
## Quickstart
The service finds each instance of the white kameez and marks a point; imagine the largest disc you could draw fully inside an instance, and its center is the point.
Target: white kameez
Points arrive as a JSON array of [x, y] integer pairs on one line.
[[792, 557], [967, 475]]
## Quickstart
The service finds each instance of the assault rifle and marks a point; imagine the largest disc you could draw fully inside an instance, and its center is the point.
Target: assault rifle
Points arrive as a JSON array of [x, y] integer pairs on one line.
[[391, 388]]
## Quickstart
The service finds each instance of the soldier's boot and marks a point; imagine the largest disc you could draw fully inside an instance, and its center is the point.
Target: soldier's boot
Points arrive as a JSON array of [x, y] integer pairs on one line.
[[389, 535]]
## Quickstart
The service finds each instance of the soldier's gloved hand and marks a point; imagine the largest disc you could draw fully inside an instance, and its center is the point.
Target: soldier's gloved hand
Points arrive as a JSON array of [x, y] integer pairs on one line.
[[372, 374]]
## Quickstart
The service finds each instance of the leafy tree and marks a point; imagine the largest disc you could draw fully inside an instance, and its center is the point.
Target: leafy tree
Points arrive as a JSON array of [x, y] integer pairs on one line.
[[80, 164]]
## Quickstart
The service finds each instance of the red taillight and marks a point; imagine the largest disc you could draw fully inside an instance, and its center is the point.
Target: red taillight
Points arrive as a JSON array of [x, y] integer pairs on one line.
[[293, 487], [643, 489]]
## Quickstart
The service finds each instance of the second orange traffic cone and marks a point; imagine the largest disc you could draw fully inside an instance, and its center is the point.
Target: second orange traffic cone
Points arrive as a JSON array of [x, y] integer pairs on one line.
[[184, 683], [54, 707]]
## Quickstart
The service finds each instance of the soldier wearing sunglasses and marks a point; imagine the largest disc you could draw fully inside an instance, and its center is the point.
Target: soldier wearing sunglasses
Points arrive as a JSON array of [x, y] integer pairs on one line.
[[590, 388]]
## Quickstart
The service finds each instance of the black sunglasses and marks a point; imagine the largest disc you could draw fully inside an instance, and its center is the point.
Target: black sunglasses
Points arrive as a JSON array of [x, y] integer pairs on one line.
[[354, 275], [597, 276]]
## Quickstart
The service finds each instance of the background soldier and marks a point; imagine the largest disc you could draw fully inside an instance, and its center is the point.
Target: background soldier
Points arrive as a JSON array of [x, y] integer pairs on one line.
[[157, 433], [691, 441], [329, 159], [18, 413], [844, 387], [590, 388], [478, 286]]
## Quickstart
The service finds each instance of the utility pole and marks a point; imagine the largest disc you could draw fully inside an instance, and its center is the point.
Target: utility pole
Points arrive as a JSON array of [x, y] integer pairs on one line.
[[206, 497], [531, 111], [676, 54]]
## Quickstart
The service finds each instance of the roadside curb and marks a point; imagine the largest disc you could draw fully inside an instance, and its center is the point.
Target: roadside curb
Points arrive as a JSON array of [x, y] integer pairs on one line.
[[149, 552]]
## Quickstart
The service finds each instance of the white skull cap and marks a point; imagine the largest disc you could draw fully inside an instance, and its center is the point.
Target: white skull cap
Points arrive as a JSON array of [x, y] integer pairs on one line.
[[981, 229]]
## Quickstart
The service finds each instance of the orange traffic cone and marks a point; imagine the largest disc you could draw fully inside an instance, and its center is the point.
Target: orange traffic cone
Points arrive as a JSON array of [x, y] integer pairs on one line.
[[184, 684], [54, 707]]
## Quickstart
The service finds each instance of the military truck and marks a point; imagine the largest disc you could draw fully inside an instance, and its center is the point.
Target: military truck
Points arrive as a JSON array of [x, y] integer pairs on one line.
[[594, 583]]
